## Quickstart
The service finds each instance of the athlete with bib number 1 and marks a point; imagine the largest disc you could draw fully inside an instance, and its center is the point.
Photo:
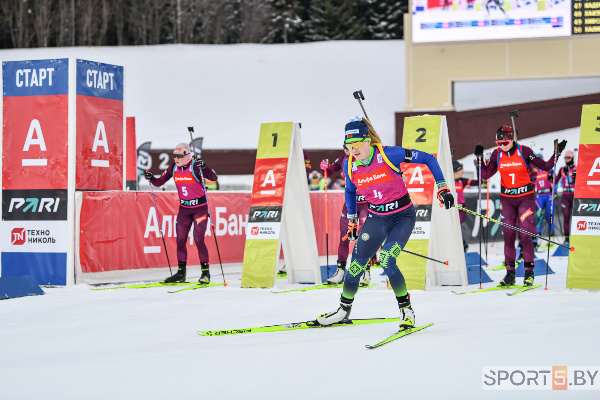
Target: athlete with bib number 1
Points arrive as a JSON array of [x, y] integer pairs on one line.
[[517, 196], [193, 208], [373, 170]]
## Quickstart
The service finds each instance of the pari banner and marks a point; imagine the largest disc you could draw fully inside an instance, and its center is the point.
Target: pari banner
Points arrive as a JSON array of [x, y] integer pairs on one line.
[[100, 126], [35, 169]]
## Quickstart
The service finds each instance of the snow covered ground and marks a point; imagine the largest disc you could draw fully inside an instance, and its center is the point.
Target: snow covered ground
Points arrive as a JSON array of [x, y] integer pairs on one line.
[[79, 343]]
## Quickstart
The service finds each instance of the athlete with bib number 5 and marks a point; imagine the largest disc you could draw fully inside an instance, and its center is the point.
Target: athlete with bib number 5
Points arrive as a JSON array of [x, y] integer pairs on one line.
[[373, 170], [517, 196], [193, 208]]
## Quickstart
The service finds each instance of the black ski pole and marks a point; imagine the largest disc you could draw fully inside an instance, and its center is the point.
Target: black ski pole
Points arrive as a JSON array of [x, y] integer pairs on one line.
[[551, 213], [514, 114], [415, 254], [514, 227], [358, 95], [160, 227], [212, 224]]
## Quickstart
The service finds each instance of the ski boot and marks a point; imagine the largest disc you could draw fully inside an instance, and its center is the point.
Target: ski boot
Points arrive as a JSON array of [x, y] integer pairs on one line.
[[528, 278], [179, 275], [338, 277], [340, 315], [205, 277], [406, 312], [509, 278], [281, 273], [375, 262]]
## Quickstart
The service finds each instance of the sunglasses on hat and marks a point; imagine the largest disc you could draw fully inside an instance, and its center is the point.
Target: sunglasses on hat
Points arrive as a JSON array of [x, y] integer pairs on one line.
[[502, 142], [176, 156]]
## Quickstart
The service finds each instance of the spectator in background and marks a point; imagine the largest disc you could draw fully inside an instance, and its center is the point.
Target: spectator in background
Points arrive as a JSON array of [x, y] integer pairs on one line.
[[313, 180], [460, 184], [566, 177], [211, 185]]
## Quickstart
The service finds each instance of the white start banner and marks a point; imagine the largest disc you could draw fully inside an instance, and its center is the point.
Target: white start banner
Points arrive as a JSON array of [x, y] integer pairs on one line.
[[34, 236], [263, 230]]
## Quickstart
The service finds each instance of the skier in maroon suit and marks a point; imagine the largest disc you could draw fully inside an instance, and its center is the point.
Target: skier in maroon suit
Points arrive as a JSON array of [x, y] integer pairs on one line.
[[187, 172]]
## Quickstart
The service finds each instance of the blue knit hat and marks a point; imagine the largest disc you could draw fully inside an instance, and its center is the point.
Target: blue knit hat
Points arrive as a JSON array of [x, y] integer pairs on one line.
[[356, 130]]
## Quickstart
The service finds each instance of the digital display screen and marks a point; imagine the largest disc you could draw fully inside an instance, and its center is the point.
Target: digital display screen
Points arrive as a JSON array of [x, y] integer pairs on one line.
[[459, 20], [586, 16]]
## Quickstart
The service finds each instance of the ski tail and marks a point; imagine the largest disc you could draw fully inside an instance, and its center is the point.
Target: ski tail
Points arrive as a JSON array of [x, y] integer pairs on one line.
[[401, 333]]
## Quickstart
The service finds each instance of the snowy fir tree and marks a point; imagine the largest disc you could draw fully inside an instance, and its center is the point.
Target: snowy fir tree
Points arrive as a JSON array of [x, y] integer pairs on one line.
[[334, 20], [286, 25]]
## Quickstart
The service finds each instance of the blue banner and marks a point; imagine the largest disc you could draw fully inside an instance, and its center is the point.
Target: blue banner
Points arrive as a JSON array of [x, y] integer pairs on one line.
[[35, 77], [43, 268], [99, 80]]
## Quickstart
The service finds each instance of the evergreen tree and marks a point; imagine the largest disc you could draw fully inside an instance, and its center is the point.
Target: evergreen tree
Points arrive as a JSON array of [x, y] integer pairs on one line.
[[286, 24], [384, 19], [334, 20]]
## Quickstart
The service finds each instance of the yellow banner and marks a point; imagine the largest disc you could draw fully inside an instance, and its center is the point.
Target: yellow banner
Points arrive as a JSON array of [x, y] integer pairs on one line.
[[274, 140], [412, 267], [260, 261], [590, 124], [583, 269], [422, 133]]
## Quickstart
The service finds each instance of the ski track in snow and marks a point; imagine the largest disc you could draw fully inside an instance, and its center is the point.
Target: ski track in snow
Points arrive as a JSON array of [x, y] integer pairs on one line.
[[78, 343]]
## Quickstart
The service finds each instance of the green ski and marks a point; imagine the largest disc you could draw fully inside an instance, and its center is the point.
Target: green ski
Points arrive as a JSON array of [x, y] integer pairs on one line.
[[499, 268], [297, 325], [324, 287], [198, 286], [490, 289], [523, 289], [398, 335], [149, 285]]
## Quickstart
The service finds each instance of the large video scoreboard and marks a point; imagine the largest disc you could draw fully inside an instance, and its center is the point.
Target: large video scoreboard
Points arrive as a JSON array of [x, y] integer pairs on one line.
[[461, 20]]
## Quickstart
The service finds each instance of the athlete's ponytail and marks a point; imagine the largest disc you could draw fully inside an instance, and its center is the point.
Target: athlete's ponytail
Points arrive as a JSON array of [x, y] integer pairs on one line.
[[372, 133]]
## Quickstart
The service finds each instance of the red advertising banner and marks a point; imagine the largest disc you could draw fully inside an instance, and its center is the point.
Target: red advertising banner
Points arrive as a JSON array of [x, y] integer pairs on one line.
[[100, 129], [131, 157], [119, 230], [269, 181], [587, 184], [34, 142], [420, 183]]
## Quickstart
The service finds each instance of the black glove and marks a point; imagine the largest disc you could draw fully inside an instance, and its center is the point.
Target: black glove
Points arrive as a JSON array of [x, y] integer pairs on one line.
[[445, 197], [148, 175], [561, 147], [352, 228], [573, 174], [201, 163], [478, 151]]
